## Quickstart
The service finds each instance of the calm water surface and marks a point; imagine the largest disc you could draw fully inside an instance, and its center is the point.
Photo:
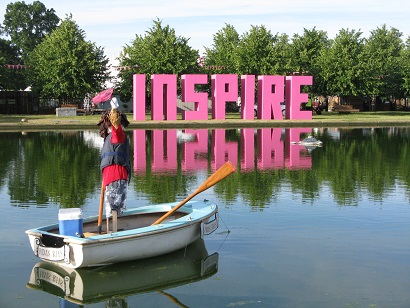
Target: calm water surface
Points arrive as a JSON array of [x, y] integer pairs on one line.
[[318, 227]]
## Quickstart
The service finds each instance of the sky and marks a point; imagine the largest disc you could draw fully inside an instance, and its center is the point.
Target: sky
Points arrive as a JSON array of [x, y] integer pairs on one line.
[[115, 23]]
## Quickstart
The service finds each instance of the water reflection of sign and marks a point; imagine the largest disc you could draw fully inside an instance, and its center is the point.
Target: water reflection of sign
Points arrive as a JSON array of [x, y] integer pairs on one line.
[[273, 150]]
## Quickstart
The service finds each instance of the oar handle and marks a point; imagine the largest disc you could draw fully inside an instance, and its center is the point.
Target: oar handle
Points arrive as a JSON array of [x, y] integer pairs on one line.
[[217, 176]]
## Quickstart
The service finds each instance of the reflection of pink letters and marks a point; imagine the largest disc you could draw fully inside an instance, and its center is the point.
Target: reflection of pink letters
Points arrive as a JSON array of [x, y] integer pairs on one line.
[[275, 150], [271, 94], [222, 150], [195, 153], [200, 99], [294, 159], [224, 89], [247, 149], [164, 150], [270, 149], [140, 153]]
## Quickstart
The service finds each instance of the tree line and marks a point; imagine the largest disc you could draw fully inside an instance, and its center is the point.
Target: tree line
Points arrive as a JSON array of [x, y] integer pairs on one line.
[[57, 61]]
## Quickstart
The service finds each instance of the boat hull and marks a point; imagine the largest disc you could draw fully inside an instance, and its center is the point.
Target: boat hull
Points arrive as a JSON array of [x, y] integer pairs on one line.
[[84, 286], [127, 244]]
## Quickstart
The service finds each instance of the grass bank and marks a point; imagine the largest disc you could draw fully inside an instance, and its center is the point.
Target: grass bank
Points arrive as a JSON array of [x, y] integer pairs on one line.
[[326, 119]]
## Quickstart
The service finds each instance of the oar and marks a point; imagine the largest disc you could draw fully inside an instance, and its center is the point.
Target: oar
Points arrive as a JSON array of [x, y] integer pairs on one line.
[[100, 211], [217, 176], [173, 299]]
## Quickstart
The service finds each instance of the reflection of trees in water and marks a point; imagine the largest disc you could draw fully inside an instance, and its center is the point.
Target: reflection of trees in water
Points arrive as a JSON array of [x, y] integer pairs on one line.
[[9, 150], [165, 186], [63, 168], [51, 167], [364, 162], [361, 161]]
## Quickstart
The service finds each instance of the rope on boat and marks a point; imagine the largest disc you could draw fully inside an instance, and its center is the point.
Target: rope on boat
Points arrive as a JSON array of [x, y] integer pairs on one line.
[[227, 233]]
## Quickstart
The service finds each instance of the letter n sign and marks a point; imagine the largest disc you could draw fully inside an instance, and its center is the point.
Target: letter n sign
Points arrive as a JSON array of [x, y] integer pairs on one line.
[[164, 97]]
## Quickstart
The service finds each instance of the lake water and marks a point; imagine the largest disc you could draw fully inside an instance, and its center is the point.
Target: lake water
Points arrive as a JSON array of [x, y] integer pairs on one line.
[[299, 227]]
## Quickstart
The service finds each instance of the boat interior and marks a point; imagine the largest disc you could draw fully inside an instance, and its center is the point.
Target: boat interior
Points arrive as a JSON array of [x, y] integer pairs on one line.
[[121, 223]]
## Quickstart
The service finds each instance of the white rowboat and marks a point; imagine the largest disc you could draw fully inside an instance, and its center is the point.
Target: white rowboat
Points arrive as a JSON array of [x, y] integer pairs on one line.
[[136, 238]]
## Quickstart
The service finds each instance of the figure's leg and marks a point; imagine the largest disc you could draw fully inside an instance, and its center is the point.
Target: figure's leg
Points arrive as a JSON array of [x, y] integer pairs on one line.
[[116, 196], [114, 221]]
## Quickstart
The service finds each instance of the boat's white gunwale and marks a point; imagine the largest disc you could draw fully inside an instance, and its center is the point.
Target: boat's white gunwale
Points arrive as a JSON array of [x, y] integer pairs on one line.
[[195, 216]]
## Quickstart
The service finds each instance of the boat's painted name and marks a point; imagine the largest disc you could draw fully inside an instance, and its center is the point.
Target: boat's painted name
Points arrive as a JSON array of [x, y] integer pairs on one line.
[[49, 253]]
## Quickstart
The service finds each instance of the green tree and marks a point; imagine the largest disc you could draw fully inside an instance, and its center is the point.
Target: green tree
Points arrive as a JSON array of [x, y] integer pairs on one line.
[[159, 51], [342, 66], [305, 51], [66, 66], [10, 79], [256, 52], [405, 67], [222, 53], [28, 24], [383, 51], [282, 55]]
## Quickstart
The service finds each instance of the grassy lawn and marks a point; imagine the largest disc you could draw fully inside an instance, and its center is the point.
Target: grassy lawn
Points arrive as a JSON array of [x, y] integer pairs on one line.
[[380, 118]]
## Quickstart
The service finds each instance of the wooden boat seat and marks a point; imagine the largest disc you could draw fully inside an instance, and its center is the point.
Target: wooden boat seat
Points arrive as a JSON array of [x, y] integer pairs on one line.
[[88, 234], [129, 222]]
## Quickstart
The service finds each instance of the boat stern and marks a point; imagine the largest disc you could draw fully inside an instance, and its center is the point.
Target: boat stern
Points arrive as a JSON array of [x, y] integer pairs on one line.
[[54, 248]]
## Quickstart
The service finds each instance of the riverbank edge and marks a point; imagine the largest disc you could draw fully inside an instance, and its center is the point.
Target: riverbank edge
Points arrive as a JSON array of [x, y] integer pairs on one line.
[[31, 123]]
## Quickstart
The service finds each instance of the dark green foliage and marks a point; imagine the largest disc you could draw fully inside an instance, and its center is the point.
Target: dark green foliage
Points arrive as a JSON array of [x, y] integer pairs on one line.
[[66, 66], [28, 24], [159, 51]]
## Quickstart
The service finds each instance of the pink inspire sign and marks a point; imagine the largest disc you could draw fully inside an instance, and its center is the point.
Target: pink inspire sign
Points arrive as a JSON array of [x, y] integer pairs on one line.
[[272, 90]]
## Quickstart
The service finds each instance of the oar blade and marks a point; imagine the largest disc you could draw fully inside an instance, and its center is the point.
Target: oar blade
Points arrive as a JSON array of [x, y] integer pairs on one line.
[[225, 170], [217, 176]]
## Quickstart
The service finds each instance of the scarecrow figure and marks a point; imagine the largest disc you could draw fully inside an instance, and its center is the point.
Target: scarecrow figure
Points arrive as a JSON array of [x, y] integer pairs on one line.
[[115, 161]]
